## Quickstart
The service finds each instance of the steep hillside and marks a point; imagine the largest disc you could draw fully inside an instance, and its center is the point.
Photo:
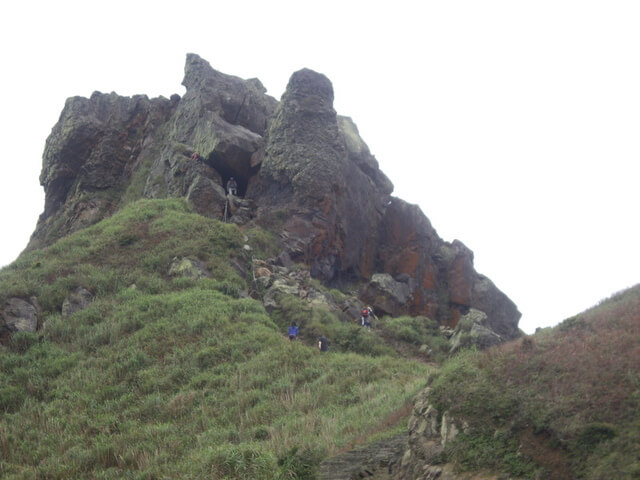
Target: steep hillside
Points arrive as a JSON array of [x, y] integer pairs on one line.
[[147, 366], [561, 404]]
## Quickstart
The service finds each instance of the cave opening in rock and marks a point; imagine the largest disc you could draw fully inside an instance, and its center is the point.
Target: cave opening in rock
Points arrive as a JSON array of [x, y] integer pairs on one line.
[[239, 169]]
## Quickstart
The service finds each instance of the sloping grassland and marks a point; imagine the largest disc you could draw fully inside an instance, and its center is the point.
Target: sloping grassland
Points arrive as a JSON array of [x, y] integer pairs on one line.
[[174, 377], [561, 404]]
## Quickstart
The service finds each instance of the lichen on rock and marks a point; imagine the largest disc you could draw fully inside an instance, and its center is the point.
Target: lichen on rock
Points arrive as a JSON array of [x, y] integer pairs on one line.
[[303, 172]]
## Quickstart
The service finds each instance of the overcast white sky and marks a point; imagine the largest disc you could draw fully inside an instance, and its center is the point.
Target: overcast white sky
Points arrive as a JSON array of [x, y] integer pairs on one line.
[[513, 124]]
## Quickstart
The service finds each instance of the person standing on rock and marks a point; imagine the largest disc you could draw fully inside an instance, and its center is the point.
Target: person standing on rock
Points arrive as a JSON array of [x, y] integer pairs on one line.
[[232, 187], [293, 331], [323, 343]]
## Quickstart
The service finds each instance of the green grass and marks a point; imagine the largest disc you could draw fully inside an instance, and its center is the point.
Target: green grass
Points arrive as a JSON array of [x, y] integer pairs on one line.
[[564, 403], [416, 332], [134, 247], [166, 377]]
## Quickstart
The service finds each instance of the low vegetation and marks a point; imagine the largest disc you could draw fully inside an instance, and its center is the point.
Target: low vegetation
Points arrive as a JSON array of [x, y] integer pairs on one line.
[[564, 403], [171, 376], [175, 377]]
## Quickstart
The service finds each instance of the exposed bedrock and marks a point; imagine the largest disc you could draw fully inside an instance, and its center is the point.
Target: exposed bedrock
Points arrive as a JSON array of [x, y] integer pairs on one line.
[[302, 171]]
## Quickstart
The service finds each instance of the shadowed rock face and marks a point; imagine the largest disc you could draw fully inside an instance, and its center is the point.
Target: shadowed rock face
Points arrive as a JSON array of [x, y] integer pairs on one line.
[[304, 172], [90, 156], [310, 177]]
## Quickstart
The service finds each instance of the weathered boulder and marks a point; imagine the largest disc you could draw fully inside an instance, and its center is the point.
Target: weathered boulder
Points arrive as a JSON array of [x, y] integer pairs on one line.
[[19, 315], [277, 288], [277, 282], [207, 197], [188, 267], [386, 295], [473, 330], [78, 299]]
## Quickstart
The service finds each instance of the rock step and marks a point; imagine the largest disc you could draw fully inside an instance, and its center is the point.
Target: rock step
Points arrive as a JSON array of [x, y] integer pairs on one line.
[[371, 461]]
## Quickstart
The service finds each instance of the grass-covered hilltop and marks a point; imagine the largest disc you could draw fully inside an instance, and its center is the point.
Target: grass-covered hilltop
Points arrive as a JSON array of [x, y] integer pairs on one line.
[[144, 330], [172, 376]]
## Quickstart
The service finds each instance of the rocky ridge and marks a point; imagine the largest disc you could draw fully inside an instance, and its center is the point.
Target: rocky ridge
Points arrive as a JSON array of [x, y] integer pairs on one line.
[[303, 172]]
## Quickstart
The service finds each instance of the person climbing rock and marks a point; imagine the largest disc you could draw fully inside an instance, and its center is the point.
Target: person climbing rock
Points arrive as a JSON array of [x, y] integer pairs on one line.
[[232, 187], [365, 317], [323, 343], [293, 331]]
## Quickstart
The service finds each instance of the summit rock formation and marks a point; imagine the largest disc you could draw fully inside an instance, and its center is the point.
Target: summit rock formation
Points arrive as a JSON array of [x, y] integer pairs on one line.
[[303, 172]]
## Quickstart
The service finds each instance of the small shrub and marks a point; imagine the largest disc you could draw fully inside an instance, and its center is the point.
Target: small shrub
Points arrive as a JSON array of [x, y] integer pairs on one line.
[[20, 342], [571, 323], [11, 398], [261, 433], [208, 357], [593, 434], [264, 243], [337, 295], [494, 451], [299, 464], [241, 462]]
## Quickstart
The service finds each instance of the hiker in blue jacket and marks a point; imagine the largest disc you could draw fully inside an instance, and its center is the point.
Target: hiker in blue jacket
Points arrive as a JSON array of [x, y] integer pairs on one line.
[[293, 331]]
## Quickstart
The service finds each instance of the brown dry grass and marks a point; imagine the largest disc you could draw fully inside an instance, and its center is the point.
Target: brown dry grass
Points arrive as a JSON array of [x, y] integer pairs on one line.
[[585, 369], [563, 393]]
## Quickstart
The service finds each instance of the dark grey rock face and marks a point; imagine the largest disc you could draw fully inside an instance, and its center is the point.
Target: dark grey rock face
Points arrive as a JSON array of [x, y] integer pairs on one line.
[[90, 156], [332, 206], [302, 171]]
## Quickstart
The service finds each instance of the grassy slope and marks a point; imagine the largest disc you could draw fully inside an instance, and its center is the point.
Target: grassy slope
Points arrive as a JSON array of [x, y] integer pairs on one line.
[[175, 378], [564, 403]]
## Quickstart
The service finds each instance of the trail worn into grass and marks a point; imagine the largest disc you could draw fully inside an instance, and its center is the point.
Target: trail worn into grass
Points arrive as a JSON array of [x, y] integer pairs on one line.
[[359, 459], [371, 460]]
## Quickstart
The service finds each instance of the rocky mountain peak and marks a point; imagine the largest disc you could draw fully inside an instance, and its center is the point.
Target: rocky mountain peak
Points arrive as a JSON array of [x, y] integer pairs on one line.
[[311, 88], [302, 170]]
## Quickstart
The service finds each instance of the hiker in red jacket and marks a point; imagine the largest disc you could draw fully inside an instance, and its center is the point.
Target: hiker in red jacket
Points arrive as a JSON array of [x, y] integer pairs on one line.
[[365, 317]]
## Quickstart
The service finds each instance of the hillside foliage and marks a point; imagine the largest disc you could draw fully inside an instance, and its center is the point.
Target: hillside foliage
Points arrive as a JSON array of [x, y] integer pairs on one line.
[[563, 403], [175, 377]]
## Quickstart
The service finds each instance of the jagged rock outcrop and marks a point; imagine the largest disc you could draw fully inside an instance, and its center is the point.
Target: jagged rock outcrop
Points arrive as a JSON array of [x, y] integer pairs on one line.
[[188, 267], [90, 156], [429, 433], [472, 330], [277, 281], [388, 294], [331, 204], [221, 117], [302, 171]]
